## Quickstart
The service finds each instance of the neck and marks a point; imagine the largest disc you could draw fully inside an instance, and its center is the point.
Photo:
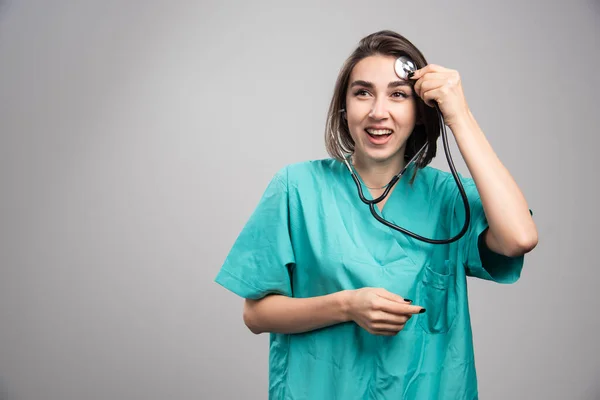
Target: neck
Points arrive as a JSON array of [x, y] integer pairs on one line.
[[375, 173]]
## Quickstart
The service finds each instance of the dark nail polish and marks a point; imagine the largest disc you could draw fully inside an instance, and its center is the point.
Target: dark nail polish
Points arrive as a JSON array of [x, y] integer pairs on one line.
[[422, 311], [411, 74], [408, 300]]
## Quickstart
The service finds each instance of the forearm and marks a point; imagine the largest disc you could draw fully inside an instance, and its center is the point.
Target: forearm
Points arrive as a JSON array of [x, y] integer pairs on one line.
[[512, 230], [282, 314]]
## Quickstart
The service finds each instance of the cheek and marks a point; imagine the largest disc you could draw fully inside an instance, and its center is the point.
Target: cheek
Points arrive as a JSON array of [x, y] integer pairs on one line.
[[407, 116], [354, 125], [354, 131], [356, 115]]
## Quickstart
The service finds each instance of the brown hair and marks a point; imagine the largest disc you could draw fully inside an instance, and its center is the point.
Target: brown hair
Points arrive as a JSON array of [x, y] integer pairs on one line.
[[337, 136]]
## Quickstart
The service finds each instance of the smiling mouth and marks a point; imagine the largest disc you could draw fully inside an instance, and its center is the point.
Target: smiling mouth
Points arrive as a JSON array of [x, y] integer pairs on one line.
[[379, 133]]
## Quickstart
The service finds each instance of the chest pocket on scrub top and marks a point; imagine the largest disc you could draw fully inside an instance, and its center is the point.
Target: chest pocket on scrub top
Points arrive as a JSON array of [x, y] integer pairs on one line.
[[437, 293]]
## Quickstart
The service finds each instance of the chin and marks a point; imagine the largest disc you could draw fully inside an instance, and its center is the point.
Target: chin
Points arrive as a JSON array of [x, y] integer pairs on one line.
[[380, 155]]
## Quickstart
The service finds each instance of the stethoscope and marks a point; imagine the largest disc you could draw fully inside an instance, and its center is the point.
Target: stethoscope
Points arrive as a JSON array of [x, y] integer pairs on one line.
[[403, 66]]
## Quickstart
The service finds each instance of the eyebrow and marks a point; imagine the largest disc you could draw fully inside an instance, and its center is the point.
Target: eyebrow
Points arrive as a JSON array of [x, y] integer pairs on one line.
[[370, 85]]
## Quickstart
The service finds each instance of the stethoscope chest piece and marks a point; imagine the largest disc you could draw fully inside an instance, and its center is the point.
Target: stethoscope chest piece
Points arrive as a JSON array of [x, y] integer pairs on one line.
[[403, 66]]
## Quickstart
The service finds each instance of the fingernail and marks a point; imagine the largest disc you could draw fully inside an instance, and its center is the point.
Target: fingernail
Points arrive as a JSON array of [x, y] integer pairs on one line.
[[408, 300], [422, 311], [411, 74]]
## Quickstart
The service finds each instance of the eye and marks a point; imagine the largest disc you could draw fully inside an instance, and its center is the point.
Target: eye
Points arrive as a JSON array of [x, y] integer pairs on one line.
[[401, 95], [361, 92]]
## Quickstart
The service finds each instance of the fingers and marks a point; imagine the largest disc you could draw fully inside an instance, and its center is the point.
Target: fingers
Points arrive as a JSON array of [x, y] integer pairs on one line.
[[430, 91], [428, 69], [398, 308], [391, 296], [439, 79], [388, 313], [386, 330], [386, 327], [432, 82], [382, 317]]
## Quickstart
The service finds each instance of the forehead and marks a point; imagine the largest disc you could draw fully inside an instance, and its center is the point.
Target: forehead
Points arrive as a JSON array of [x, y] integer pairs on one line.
[[378, 69]]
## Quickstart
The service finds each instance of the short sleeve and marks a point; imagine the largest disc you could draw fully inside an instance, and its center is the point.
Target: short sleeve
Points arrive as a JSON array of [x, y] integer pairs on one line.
[[478, 260], [259, 262]]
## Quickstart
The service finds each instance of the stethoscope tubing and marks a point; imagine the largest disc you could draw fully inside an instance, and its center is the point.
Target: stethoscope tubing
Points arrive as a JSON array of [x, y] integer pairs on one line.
[[396, 178]]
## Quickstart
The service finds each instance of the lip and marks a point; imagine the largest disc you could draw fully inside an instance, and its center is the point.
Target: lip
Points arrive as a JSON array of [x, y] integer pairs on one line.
[[379, 140], [379, 127]]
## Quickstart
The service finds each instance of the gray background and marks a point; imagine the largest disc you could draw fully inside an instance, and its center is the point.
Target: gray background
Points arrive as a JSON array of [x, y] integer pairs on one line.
[[137, 138]]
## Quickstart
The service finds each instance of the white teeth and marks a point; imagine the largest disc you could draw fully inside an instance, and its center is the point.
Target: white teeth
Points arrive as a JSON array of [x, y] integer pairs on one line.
[[379, 131]]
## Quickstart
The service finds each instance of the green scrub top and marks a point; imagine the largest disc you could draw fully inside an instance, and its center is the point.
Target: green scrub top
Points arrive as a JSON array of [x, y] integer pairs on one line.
[[311, 235]]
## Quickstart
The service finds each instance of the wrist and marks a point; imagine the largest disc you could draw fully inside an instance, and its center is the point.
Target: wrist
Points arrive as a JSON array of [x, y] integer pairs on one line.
[[463, 124], [345, 304], [463, 121]]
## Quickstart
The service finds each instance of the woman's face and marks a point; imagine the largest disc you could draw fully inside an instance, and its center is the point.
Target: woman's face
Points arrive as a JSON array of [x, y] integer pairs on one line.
[[380, 109]]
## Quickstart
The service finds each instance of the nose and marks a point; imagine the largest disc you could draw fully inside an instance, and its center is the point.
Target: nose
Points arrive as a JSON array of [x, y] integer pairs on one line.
[[379, 109]]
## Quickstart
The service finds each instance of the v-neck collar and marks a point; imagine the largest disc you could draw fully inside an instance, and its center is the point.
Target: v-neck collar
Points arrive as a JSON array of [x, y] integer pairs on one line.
[[367, 193], [390, 239]]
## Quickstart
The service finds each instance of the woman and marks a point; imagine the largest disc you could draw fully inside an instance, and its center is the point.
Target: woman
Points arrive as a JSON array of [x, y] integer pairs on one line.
[[332, 285]]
